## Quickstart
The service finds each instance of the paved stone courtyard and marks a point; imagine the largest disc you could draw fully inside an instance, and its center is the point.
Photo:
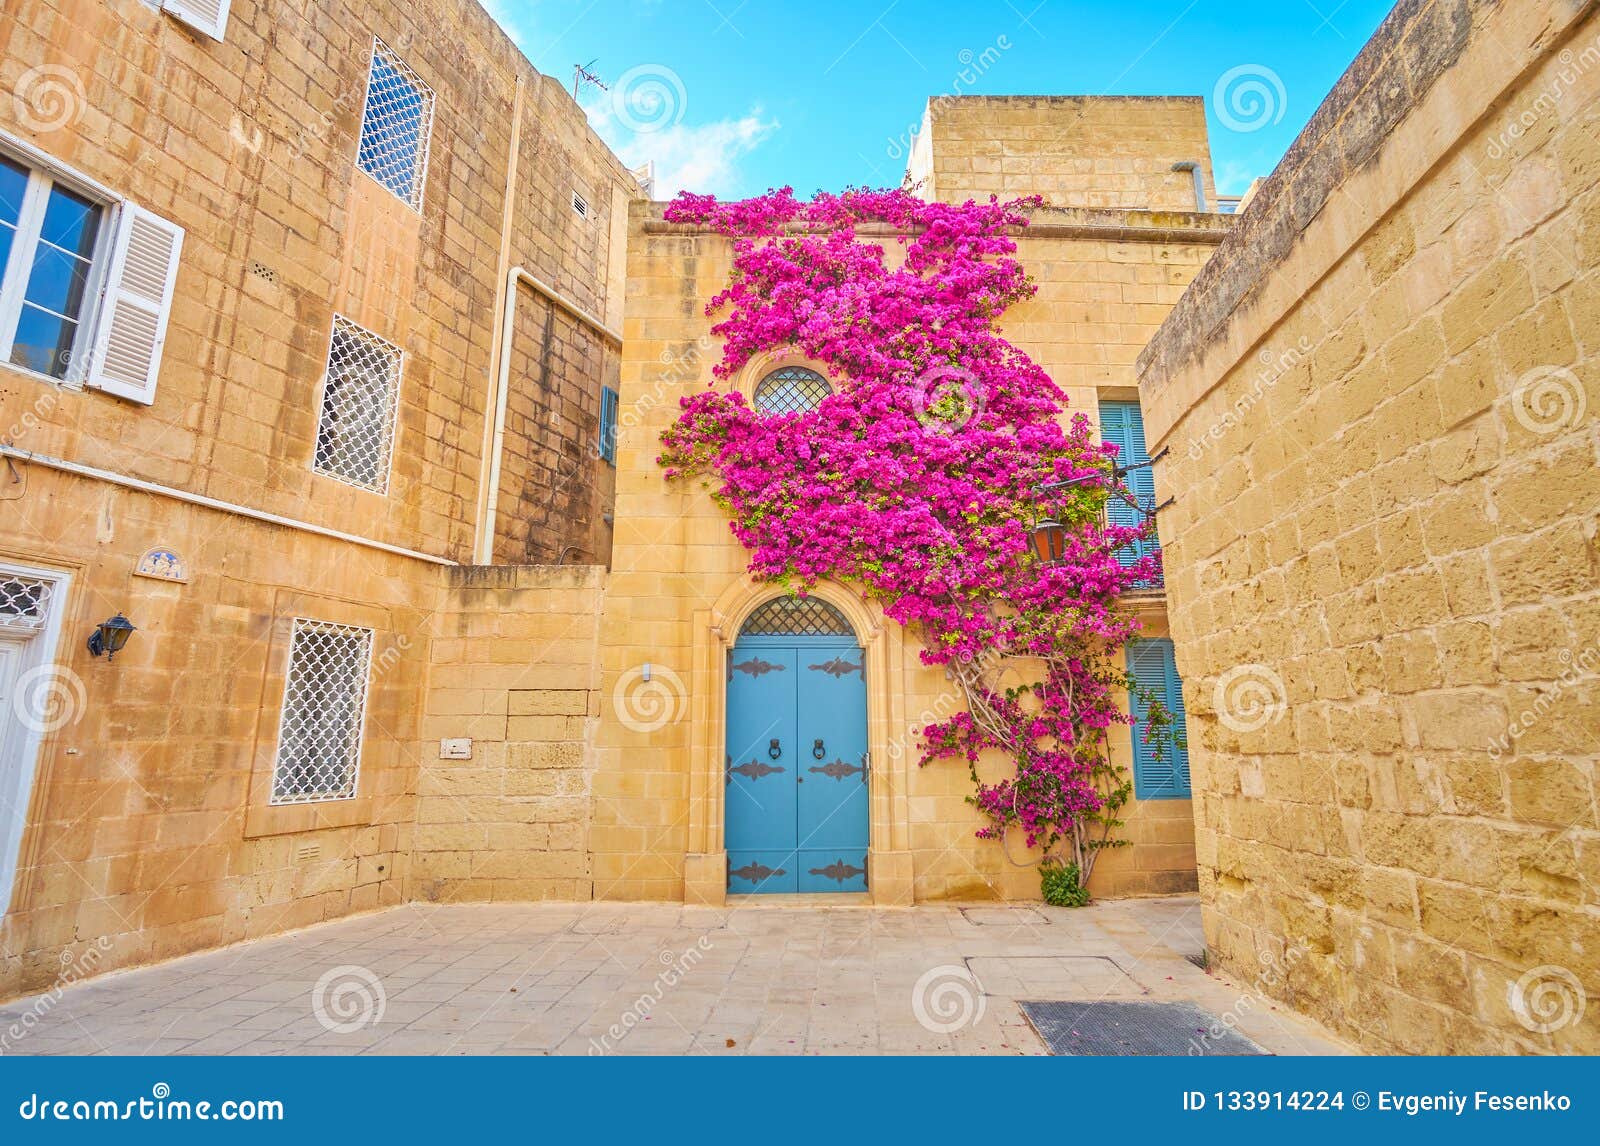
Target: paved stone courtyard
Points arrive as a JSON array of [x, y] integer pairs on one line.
[[594, 978]]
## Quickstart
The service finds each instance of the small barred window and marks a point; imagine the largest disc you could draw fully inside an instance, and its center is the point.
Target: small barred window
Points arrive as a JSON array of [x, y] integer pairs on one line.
[[796, 616], [355, 433], [24, 601], [324, 708], [395, 126], [792, 390]]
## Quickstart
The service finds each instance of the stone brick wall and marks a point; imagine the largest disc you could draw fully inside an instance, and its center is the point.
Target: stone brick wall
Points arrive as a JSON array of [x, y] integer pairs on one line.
[[148, 820], [249, 144], [512, 668], [1382, 560], [148, 825], [554, 489], [1076, 151]]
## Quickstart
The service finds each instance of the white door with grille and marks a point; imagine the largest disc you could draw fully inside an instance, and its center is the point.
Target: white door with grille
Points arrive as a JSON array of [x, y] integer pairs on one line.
[[14, 736], [36, 698]]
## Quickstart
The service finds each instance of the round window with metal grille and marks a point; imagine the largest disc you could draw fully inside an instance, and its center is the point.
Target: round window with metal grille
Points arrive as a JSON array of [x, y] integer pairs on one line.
[[791, 390], [796, 616]]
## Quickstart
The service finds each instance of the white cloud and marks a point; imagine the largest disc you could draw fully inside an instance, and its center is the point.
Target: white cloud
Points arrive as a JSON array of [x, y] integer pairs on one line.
[[641, 118], [1233, 177], [699, 157]]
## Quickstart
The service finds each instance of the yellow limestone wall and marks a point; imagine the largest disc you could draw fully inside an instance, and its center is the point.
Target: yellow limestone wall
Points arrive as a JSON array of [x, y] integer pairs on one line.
[[1111, 152], [147, 828], [511, 666], [678, 593], [1383, 568]]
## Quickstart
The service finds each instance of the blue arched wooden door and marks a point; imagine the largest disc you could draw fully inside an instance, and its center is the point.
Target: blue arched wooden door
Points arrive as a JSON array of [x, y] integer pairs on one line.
[[797, 808]]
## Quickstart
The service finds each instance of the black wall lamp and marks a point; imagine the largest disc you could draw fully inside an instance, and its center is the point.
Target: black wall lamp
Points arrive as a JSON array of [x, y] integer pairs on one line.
[[109, 636]]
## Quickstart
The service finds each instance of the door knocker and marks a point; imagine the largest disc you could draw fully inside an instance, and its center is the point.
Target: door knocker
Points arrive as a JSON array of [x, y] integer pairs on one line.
[[774, 750], [818, 750]]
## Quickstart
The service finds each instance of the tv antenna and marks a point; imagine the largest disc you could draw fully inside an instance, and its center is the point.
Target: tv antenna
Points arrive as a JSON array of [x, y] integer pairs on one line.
[[582, 75]]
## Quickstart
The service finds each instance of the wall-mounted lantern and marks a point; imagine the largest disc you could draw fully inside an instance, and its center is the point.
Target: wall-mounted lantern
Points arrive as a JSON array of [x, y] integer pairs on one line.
[[109, 636]]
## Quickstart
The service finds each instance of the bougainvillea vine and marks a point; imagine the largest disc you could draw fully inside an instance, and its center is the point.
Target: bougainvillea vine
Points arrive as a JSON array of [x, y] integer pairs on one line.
[[922, 478]]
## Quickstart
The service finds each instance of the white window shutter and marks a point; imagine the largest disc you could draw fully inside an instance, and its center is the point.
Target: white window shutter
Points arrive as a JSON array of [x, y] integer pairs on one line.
[[208, 16], [132, 324]]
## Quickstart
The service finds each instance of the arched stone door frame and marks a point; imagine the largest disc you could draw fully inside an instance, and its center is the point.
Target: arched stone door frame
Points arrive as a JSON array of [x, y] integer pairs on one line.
[[888, 740]]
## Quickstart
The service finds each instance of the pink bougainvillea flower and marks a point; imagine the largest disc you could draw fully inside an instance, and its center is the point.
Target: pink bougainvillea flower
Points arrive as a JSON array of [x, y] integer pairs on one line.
[[921, 478]]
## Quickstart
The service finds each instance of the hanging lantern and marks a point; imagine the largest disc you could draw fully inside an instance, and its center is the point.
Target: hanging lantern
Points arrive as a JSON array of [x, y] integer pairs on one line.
[[1050, 542]]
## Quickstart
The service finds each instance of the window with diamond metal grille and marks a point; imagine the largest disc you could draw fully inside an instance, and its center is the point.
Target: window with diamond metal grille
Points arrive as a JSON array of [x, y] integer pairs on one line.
[[355, 434], [796, 616], [792, 390], [324, 707], [24, 601], [395, 126]]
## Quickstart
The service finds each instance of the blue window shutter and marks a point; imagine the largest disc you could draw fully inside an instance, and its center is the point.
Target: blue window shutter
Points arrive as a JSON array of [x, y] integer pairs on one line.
[[1152, 666], [1180, 752], [1122, 423], [608, 424]]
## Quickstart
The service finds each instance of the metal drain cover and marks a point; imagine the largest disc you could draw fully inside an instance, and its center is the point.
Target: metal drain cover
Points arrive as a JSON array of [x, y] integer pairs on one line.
[[1107, 1028]]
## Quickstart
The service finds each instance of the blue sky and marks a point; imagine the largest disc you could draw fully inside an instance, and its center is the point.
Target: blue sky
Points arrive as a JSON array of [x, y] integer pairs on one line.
[[734, 97]]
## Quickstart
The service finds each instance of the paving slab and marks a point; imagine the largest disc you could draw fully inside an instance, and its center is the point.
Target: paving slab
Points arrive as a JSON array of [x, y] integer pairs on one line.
[[821, 975]]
